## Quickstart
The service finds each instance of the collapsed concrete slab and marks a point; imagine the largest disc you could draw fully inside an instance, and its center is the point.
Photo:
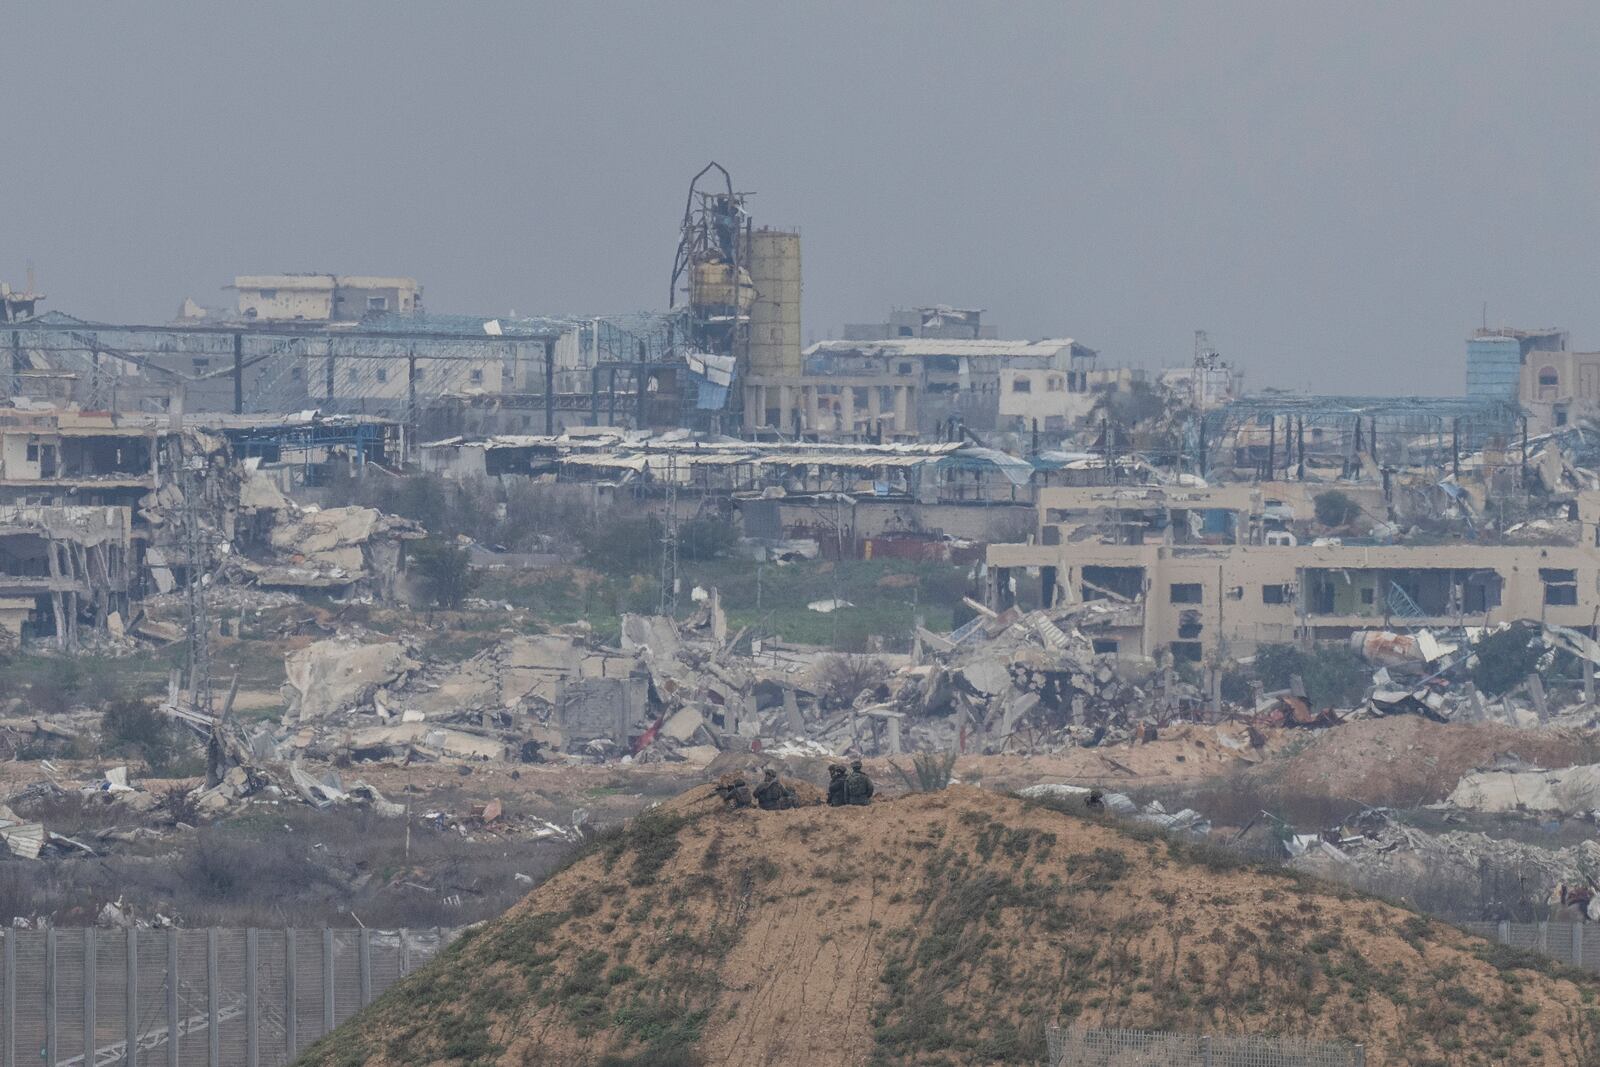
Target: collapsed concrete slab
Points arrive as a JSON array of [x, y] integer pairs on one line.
[[1568, 791], [591, 709], [332, 676], [334, 548]]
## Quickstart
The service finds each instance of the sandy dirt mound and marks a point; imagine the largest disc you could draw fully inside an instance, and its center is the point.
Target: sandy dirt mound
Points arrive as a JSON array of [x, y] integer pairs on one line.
[[1406, 760], [1184, 752], [944, 928]]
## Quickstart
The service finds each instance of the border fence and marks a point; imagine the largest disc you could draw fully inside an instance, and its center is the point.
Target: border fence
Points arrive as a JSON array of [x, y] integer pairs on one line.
[[1077, 1047], [190, 998], [1566, 942]]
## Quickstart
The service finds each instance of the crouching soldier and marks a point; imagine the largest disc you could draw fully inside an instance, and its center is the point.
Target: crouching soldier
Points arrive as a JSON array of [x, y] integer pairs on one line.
[[838, 787], [772, 794], [734, 791], [858, 787]]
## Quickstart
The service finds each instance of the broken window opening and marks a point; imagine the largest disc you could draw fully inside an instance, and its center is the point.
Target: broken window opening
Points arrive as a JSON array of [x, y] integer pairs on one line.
[[1185, 651], [1276, 594], [1186, 593], [1109, 583], [1560, 586]]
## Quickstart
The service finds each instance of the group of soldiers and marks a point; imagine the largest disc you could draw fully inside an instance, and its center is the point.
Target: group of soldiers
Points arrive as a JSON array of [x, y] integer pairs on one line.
[[844, 788]]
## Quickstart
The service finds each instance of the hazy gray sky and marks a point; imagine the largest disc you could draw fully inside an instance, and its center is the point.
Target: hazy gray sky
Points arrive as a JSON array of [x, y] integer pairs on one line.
[[1332, 190]]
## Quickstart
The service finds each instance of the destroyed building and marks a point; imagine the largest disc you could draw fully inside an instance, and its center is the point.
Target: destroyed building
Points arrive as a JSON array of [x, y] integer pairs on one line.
[[323, 297], [933, 321], [1200, 569], [99, 511], [918, 386], [831, 494]]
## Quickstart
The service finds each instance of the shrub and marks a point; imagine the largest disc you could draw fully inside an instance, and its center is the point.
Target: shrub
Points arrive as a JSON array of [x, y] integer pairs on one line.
[[443, 572], [1335, 508], [627, 546], [1333, 673], [840, 678], [1504, 660], [58, 685], [933, 771], [705, 538], [135, 727]]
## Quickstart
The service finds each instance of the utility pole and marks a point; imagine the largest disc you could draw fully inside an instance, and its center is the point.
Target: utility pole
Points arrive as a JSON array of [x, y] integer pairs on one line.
[[669, 544], [549, 388], [238, 374], [192, 482]]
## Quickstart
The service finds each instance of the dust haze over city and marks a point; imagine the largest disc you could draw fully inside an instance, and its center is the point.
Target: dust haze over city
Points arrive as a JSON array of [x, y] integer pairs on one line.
[[681, 535]]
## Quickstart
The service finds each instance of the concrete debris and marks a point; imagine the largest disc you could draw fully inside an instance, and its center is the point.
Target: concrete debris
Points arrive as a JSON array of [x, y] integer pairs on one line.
[[1509, 878], [1569, 791], [333, 676], [333, 548]]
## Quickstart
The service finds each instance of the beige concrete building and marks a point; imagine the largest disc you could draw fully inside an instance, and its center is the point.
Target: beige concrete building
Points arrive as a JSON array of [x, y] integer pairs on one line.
[[1203, 571], [913, 386], [1559, 389], [323, 297]]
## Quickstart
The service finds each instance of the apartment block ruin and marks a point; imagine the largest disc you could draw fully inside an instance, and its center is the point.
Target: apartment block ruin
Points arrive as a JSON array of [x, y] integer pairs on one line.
[[1203, 571], [323, 297]]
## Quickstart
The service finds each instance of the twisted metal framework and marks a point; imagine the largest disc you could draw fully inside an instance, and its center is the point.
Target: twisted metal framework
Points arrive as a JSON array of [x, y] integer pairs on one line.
[[396, 368]]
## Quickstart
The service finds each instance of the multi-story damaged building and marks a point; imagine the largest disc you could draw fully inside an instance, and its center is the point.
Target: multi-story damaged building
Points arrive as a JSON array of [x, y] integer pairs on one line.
[[933, 321], [70, 488], [98, 511], [925, 387], [59, 565], [323, 297], [1221, 570]]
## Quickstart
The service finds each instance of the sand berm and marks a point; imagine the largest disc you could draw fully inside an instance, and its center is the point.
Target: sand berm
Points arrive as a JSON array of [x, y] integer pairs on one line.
[[947, 928]]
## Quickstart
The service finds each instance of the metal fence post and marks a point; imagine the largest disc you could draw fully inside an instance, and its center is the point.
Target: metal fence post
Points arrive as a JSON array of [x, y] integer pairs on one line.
[[172, 996], [252, 1017], [291, 1029], [11, 998], [1205, 1050], [130, 1051], [327, 981], [405, 952], [213, 1002], [1505, 932], [1544, 936], [1361, 1056], [1577, 938], [50, 996], [364, 943], [91, 972]]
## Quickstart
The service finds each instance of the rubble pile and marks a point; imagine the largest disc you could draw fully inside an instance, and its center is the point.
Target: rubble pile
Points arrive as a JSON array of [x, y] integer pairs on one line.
[[1034, 682], [306, 547], [686, 690], [1375, 847]]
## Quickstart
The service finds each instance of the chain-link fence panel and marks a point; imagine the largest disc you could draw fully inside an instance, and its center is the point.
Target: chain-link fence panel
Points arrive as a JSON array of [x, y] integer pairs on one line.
[[1075, 1047], [190, 998]]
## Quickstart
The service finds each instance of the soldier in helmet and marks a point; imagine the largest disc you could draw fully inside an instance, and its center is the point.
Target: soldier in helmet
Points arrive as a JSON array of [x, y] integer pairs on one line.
[[734, 791], [1096, 801], [858, 787], [838, 787], [772, 794]]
